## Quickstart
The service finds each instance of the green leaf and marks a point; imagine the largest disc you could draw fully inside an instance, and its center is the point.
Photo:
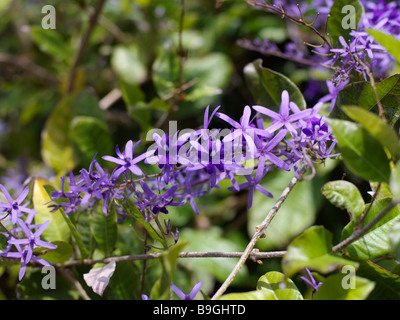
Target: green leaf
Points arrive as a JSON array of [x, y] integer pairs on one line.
[[395, 181], [57, 230], [297, 213], [376, 242], [387, 284], [128, 64], [250, 295], [361, 152], [384, 191], [72, 228], [165, 72], [333, 289], [168, 259], [394, 239], [391, 44], [312, 249], [60, 255], [338, 21], [283, 288], [213, 70], [131, 93], [380, 130], [57, 150], [362, 94], [271, 286], [87, 104], [267, 85], [104, 229], [346, 196], [90, 136]]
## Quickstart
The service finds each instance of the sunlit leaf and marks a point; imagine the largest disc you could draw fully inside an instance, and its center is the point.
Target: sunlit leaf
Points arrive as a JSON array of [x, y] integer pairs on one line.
[[312, 249], [361, 152], [346, 196], [267, 85], [57, 230]]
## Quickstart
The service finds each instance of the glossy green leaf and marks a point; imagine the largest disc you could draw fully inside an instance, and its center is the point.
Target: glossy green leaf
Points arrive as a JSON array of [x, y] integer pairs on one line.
[[361, 152], [57, 150], [391, 43], [57, 230], [384, 191], [104, 229], [340, 287], [394, 239], [271, 286], [250, 295], [387, 284], [380, 130], [283, 288], [90, 137], [60, 255], [376, 242], [267, 85], [362, 94], [312, 249], [346, 196], [340, 20]]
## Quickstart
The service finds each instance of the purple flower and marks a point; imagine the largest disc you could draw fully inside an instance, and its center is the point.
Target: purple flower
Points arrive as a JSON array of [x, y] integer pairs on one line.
[[156, 202], [311, 281], [284, 118], [254, 184], [189, 296], [31, 242], [244, 128], [266, 151], [126, 161], [334, 90], [14, 207]]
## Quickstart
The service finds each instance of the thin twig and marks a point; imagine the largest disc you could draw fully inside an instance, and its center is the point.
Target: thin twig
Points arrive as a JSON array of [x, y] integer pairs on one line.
[[69, 276], [373, 85], [143, 275], [282, 55], [156, 255], [283, 14], [260, 230], [366, 211], [84, 41]]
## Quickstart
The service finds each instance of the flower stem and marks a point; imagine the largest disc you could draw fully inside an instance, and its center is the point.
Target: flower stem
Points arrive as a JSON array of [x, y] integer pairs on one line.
[[260, 230]]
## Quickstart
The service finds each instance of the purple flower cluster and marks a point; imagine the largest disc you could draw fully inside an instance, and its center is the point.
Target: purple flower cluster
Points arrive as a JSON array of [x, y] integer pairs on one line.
[[347, 59], [192, 162], [22, 234], [350, 58]]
